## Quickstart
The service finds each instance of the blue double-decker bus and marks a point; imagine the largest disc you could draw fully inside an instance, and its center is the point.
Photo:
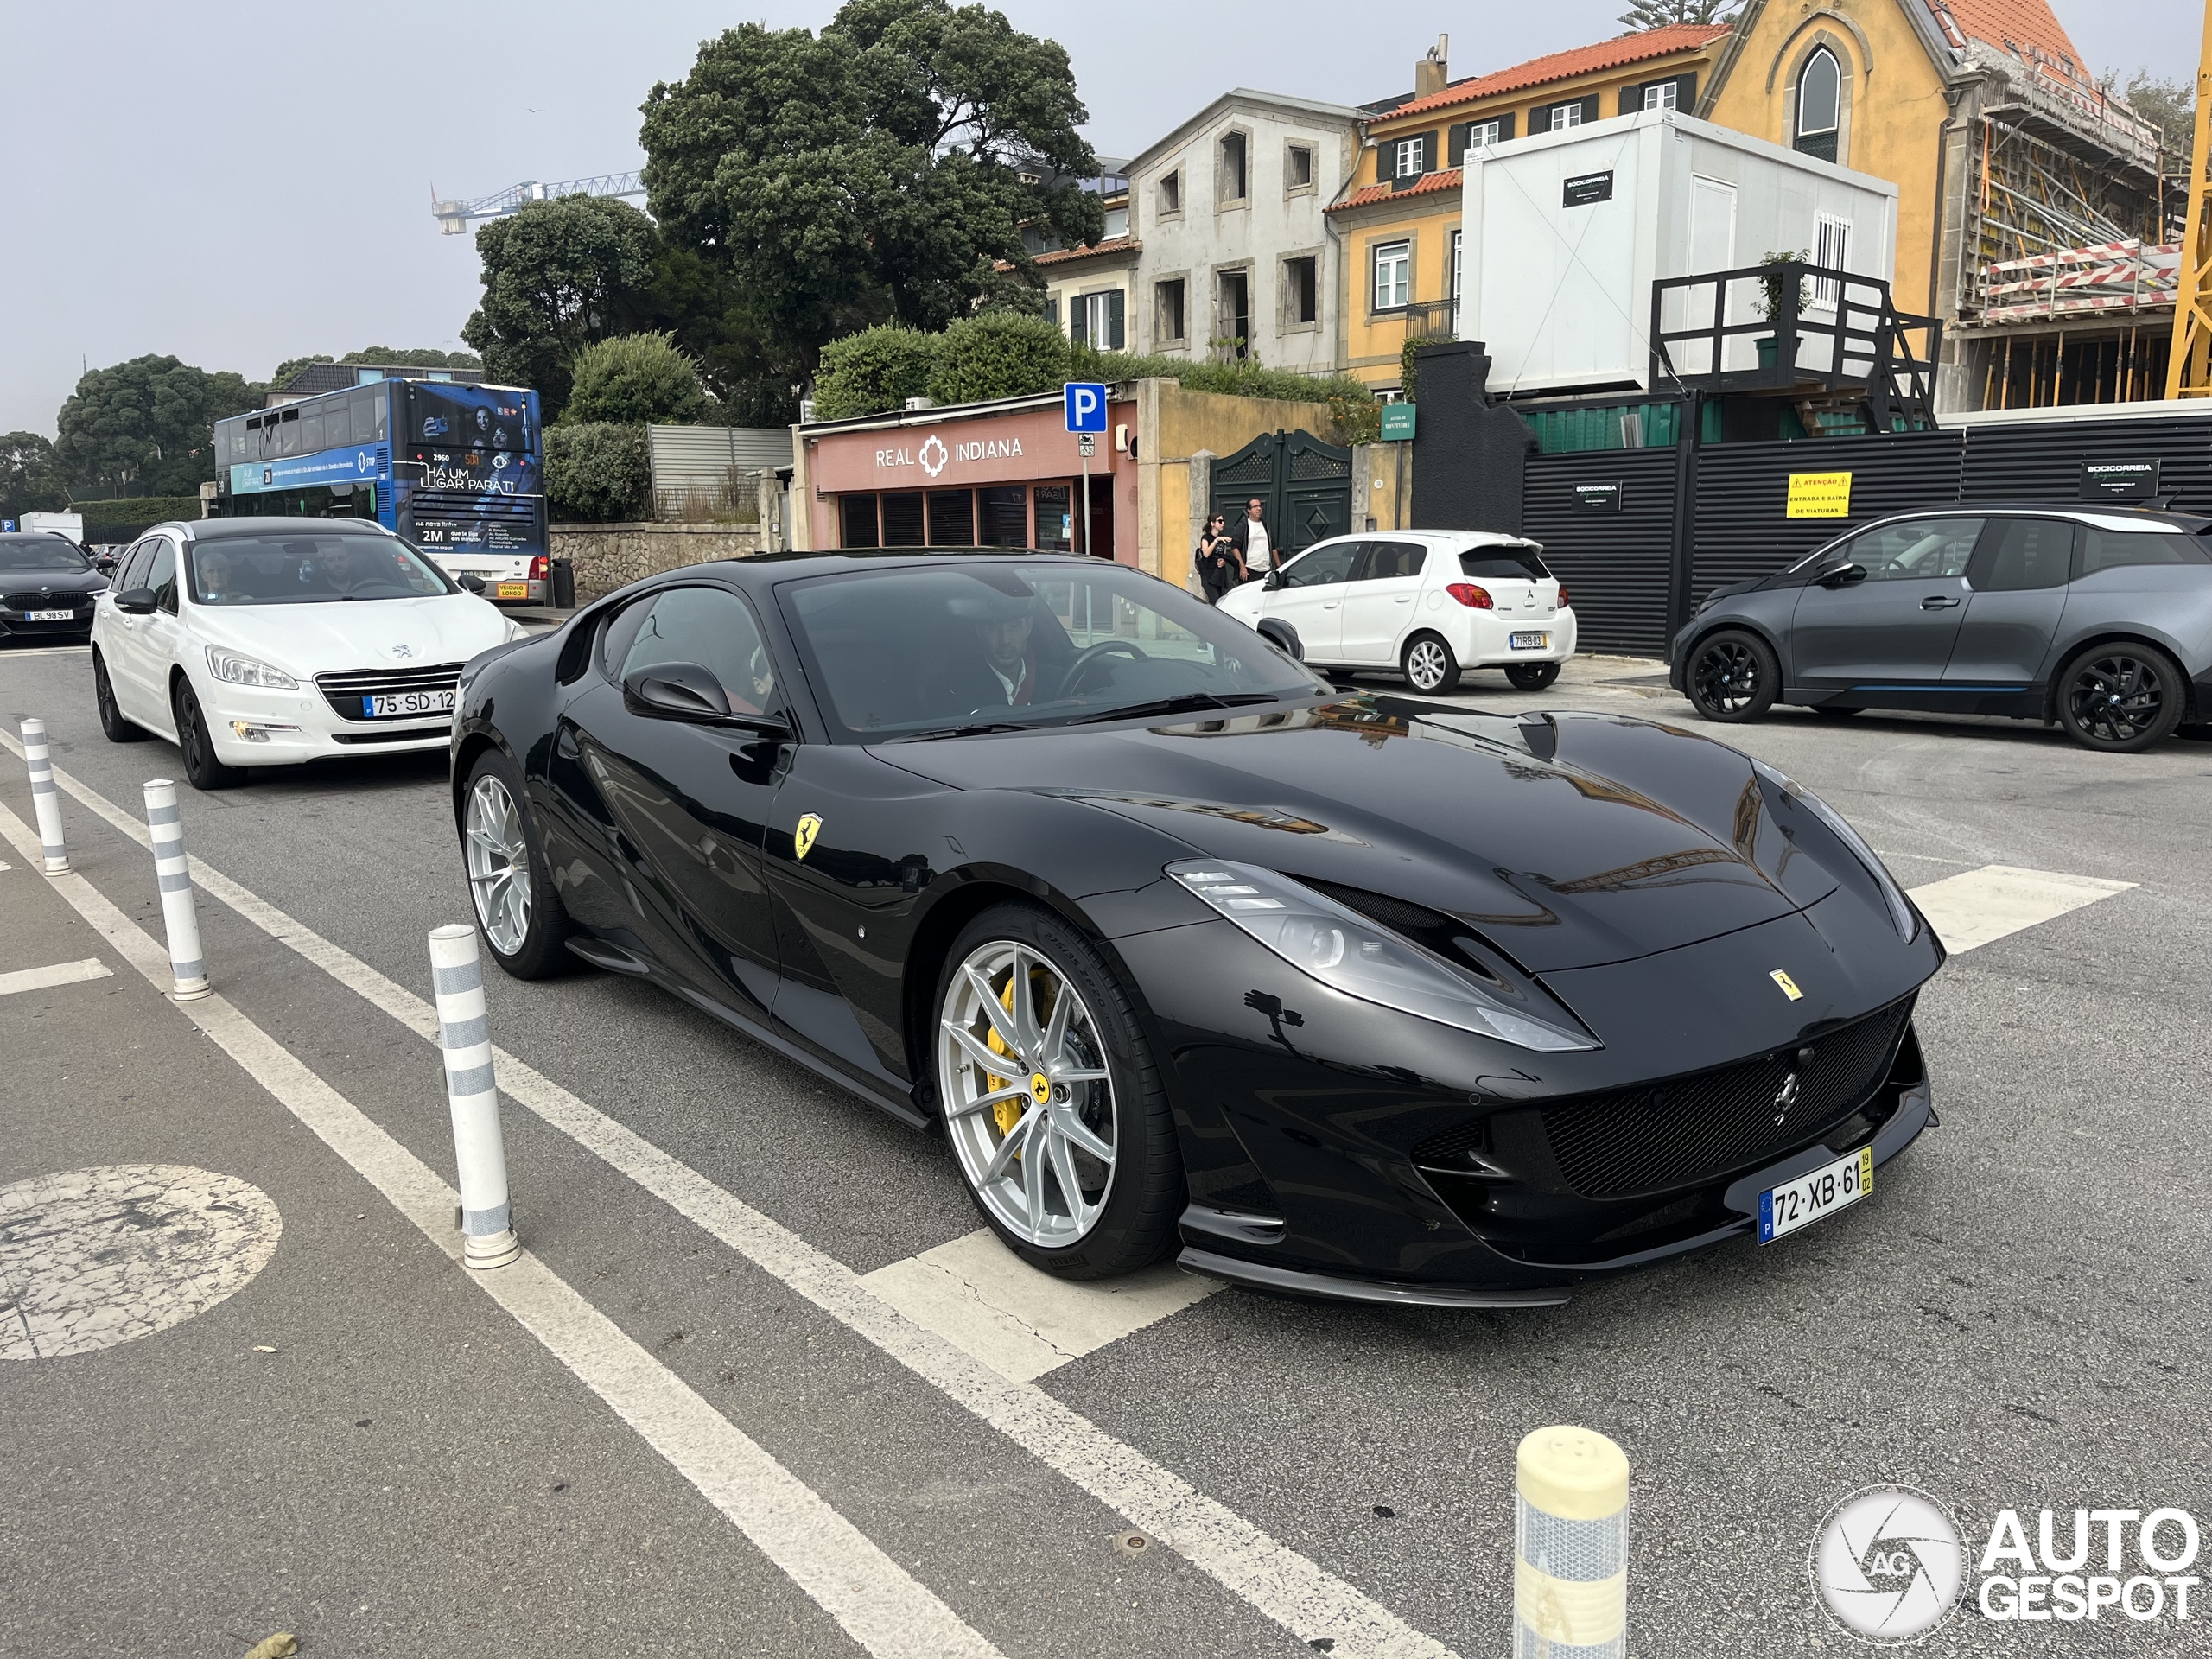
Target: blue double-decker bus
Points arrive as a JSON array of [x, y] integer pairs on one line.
[[454, 468]]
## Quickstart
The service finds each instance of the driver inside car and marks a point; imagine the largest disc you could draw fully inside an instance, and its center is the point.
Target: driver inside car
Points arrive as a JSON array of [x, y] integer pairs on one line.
[[1001, 672]]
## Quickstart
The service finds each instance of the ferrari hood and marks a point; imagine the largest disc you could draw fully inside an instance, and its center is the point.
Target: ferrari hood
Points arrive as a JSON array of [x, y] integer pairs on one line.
[[310, 639], [1567, 841]]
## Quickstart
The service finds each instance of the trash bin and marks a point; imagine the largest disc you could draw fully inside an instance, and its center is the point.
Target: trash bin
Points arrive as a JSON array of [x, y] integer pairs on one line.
[[564, 585]]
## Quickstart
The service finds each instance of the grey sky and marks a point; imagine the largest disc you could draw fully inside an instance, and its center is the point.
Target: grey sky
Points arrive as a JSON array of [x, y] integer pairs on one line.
[[242, 183]]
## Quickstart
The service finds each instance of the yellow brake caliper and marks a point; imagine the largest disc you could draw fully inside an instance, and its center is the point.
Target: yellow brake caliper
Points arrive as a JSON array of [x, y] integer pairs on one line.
[[1008, 1113]]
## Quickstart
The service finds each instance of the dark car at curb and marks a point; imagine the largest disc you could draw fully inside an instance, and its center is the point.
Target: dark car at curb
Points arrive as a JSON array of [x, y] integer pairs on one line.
[[1180, 949], [47, 589], [2096, 619]]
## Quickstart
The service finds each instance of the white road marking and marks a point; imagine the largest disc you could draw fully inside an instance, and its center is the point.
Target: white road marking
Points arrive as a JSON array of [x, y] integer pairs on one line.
[[90, 1258], [988, 1302], [881, 1606], [43, 650], [61, 973], [1971, 910], [1302, 1597]]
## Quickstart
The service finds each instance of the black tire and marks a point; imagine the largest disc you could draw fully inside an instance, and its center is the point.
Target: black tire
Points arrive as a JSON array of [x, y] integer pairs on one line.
[[1837, 711], [1429, 665], [1732, 677], [1146, 1194], [1531, 677], [118, 730], [541, 952], [201, 769], [2121, 698]]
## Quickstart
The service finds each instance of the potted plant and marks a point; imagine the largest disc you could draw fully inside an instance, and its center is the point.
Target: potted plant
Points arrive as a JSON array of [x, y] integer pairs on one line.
[[1775, 298]]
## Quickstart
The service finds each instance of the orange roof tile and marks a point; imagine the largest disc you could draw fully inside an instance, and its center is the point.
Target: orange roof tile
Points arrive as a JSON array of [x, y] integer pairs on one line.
[[1111, 244], [1587, 59], [2010, 25], [1430, 183]]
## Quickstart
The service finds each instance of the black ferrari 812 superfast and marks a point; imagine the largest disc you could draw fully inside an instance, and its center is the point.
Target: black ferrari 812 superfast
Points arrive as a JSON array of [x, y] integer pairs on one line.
[[1179, 948]]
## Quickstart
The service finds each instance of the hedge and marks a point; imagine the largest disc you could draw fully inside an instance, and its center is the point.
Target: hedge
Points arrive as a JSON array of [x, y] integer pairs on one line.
[[873, 371], [598, 473], [130, 517]]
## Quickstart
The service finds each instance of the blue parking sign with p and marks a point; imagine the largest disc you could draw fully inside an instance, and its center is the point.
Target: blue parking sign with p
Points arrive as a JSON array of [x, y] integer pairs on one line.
[[1086, 406]]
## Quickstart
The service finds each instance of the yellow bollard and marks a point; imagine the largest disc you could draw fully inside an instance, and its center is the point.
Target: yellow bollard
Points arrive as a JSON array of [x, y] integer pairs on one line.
[[1570, 1547]]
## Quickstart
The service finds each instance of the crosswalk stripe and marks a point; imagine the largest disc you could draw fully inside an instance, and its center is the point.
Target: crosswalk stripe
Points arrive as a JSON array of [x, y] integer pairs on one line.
[[61, 973], [1975, 908]]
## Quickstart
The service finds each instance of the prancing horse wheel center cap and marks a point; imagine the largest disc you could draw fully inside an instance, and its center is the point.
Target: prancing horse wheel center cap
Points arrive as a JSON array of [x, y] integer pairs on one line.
[[1040, 1088]]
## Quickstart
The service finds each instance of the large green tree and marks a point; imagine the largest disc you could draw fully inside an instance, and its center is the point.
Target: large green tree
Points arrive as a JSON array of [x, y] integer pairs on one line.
[[875, 172], [145, 426], [559, 276], [419, 357], [30, 476], [1657, 14]]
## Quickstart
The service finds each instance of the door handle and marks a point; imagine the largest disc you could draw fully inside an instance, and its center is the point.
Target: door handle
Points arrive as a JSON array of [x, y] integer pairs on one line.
[[1405, 598], [1937, 602]]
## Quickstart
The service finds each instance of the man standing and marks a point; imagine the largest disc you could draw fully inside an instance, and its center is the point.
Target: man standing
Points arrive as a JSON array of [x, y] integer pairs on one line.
[[1251, 541]]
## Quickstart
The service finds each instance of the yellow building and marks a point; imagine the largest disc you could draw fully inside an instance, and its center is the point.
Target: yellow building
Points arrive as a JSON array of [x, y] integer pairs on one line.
[[1397, 224], [2006, 155]]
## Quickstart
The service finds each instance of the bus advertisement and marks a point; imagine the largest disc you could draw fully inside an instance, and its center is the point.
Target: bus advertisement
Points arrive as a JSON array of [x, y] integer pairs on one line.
[[455, 469]]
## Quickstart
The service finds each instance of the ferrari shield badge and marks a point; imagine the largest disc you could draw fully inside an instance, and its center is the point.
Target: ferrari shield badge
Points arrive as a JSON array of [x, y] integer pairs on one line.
[[810, 826], [1788, 985]]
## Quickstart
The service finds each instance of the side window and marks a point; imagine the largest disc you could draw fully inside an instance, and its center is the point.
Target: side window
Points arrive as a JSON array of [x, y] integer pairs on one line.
[[163, 577], [2110, 549], [130, 568], [1321, 566], [1387, 560], [2022, 554], [1917, 551], [714, 628]]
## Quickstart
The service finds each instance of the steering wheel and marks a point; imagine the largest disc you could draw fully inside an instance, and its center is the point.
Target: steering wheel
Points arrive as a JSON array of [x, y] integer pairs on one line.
[[1072, 679]]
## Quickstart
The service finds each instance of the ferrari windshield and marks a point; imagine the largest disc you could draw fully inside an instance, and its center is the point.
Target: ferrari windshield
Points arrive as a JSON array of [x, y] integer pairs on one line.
[[921, 651], [309, 569]]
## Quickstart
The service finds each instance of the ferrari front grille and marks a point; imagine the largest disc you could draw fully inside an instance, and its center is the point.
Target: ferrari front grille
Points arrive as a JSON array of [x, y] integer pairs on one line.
[[1693, 1130]]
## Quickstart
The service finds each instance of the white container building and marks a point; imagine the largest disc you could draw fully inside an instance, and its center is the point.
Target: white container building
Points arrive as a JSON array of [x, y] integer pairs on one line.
[[1566, 233]]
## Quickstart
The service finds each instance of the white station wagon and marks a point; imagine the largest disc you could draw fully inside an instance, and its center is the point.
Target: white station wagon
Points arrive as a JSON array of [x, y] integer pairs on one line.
[[1430, 603]]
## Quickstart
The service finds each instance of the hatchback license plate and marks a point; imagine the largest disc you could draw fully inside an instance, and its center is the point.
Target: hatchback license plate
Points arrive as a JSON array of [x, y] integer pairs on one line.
[[49, 616], [397, 705], [514, 590], [1528, 641], [1816, 1197]]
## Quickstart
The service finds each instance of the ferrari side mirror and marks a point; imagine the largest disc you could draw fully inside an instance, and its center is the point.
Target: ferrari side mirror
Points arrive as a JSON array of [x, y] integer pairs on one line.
[[677, 691], [471, 584]]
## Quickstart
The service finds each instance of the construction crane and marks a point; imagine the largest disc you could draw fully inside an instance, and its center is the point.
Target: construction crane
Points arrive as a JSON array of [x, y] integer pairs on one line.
[[454, 217], [2188, 365]]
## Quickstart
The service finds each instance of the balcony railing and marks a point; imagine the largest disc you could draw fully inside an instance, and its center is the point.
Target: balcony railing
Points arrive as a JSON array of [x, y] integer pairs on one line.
[[1832, 332], [1433, 319]]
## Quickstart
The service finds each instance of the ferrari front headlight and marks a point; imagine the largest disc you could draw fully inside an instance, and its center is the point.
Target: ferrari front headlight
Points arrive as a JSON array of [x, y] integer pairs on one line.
[[229, 666], [1346, 951]]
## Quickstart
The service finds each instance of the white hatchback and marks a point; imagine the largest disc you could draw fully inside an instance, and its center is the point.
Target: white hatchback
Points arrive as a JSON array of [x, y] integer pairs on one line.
[[1430, 603], [260, 642]]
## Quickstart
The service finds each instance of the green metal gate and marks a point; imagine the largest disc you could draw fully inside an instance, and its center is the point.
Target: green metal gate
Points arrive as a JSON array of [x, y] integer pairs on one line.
[[1304, 484]]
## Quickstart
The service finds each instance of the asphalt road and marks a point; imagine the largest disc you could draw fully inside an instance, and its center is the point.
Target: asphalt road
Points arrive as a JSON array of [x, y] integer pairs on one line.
[[2015, 1320]]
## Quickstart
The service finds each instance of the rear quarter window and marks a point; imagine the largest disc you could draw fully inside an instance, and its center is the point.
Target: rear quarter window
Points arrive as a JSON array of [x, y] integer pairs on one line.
[[2113, 550]]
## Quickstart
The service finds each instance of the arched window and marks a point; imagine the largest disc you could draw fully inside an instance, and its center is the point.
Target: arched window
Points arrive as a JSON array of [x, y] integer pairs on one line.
[[1820, 98]]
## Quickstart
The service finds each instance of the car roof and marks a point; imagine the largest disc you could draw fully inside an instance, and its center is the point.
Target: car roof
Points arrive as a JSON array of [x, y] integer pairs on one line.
[[216, 530], [2133, 515]]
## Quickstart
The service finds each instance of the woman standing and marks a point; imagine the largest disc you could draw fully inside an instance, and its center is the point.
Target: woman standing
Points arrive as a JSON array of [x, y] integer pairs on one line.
[[1219, 566]]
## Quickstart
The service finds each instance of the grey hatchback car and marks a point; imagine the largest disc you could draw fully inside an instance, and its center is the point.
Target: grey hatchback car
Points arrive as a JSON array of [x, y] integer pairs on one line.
[[2096, 619]]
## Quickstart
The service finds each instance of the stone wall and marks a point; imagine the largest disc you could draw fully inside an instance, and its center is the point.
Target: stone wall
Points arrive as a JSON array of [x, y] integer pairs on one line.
[[608, 557]]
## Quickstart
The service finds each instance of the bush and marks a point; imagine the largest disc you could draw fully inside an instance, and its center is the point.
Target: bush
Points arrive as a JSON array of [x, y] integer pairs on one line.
[[874, 371], [999, 354], [128, 520], [1355, 416], [597, 472], [633, 379]]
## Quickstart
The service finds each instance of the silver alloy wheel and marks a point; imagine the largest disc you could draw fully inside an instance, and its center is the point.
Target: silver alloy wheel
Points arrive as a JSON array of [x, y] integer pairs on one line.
[[1028, 1099], [499, 865], [1425, 665]]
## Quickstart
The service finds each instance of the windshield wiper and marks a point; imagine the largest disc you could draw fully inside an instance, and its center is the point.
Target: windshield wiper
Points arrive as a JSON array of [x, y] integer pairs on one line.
[[1188, 701], [962, 731]]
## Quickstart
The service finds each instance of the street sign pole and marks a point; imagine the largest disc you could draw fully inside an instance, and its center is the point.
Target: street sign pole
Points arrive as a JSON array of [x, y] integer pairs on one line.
[[1083, 409]]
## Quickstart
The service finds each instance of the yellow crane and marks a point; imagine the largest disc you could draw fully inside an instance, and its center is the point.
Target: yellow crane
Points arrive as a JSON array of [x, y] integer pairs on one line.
[[2188, 365]]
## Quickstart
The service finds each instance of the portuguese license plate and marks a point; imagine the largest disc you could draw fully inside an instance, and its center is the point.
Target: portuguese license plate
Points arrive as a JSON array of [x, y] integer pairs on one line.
[[1816, 1197], [1529, 641], [399, 705], [49, 616], [514, 590]]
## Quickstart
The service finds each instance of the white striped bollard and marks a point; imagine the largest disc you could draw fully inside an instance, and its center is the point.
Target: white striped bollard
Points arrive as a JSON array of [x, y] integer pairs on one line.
[[1570, 1547], [479, 1155], [46, 806], [180, 916]]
